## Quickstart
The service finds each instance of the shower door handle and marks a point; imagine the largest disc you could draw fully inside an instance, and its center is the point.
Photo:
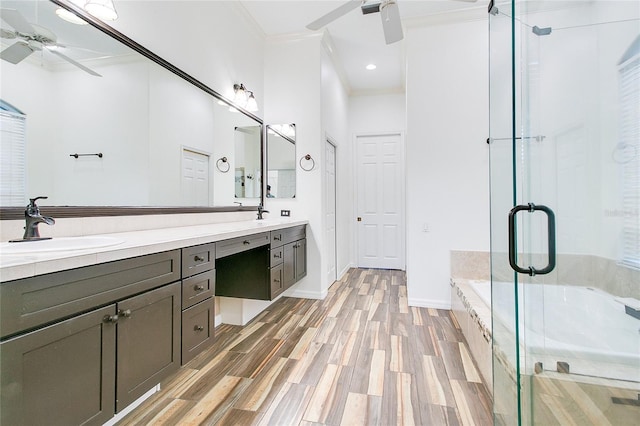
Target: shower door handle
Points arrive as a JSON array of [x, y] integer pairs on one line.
[[551, 235]]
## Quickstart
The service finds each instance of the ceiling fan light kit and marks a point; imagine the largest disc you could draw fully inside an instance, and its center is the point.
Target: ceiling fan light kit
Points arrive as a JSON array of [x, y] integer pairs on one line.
[[388, 9], [104, 10], [32, 38]]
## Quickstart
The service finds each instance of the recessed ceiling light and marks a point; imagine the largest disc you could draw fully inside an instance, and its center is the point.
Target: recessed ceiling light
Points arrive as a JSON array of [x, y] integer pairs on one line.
[[371, 67]]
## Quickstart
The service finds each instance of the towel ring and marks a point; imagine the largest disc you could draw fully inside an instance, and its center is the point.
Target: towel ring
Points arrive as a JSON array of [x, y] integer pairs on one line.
[[308, 158], [223, 160]]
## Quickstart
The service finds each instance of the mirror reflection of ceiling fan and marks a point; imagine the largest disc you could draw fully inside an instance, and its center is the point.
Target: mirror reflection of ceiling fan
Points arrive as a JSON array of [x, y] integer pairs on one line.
[[31, 38], [388, 10]]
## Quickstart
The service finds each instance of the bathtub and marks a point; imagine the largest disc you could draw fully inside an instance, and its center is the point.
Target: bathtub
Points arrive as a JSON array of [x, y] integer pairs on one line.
[[584, 327]]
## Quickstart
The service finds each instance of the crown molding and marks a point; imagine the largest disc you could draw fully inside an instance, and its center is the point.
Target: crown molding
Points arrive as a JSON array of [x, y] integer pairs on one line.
[[379, 92]]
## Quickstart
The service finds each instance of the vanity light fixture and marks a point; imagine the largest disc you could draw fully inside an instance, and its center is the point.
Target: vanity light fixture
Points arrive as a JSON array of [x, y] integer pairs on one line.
[[104, 10], [252, 105], [243, 98]]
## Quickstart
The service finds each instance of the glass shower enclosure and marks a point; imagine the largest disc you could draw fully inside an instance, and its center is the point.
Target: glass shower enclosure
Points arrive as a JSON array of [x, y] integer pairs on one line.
[[565, 211]]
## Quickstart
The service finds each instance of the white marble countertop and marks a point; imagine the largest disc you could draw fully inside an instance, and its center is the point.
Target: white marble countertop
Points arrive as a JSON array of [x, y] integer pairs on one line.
[[135, 243]]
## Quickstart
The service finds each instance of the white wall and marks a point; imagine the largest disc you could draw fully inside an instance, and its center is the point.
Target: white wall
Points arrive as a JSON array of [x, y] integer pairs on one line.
[[214, 41], [447, 157], [293, 95], [377, 113], [303, 87], [335, 113]]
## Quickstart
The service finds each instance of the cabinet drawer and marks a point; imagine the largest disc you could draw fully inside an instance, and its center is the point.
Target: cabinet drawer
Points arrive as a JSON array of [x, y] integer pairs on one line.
[[198, 288], [35, 301], [197, 329], [276, 238], [276, 256], [293, 234], [277, 282], [198, 259], [240, 244], [287, 235]]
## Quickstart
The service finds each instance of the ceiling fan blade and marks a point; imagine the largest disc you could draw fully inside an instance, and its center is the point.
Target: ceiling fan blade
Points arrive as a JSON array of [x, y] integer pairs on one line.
[[8, 34], [17, 21], [391, 24], [76, 63], [16, 52], [334, 14]]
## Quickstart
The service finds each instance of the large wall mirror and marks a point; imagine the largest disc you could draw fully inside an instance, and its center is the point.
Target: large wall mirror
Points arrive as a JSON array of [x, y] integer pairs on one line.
[[281, 161], [88, 120]]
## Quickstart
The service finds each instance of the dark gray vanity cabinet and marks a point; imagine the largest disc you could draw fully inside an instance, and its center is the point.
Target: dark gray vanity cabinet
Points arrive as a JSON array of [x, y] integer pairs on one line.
[[78, 346], [63, 374], [261, 266], [148, 342], [198, 309], [289, 246], [295, 262]]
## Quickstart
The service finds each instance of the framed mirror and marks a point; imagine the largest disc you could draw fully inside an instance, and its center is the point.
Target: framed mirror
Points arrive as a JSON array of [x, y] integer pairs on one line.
[[281, 161], [248, 169], [92, 119]]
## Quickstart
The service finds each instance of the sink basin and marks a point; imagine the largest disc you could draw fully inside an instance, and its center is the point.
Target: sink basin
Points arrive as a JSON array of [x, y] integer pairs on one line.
[[58, 244]]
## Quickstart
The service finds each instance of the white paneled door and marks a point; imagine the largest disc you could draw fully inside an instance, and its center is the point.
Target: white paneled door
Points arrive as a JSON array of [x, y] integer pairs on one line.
[[195, 178], [330, 185], [380, 213]]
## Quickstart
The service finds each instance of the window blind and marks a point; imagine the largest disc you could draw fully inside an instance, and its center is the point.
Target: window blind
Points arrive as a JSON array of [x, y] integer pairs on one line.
[[630, 159], [12, 159]]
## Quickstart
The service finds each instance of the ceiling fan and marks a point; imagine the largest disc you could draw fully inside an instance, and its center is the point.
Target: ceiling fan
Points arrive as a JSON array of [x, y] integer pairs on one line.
[[31, 38], [389, 13]]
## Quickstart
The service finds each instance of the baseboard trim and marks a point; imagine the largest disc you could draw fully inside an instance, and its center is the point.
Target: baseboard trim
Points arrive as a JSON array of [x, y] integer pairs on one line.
[[217, 320], [304, 294], [429, 303], [345, 270]]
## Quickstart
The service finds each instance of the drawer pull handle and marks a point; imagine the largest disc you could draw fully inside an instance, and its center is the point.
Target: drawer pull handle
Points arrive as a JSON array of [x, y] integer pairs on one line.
[[275, 280], [198, 287], [198, 328], [246, 242], [125, 314], [198, 258], [277, 255], [112, 319], [277, 238]]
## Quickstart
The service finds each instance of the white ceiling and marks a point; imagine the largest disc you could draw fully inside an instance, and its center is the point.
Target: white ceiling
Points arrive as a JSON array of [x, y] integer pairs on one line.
[[358, 38]]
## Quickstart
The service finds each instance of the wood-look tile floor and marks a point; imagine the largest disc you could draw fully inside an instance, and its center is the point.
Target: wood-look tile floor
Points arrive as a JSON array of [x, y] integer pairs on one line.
[[362, 356]]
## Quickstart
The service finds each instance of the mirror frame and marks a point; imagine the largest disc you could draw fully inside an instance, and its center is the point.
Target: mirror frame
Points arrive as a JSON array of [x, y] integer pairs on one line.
[[14, 213]]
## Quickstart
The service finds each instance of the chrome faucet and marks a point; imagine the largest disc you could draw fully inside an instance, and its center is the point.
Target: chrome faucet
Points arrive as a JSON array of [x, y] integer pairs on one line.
[[33, 218], [260, 211]]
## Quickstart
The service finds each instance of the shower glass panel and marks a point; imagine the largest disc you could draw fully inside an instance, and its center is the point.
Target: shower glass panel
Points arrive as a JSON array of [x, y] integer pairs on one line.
[[565, 211]]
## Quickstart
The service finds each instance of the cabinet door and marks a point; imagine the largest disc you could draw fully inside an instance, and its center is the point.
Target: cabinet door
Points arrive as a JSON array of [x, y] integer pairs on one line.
[[277, 281], [197, 329], [62, 374], [289, 265], [301, 259], [148, 342]]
